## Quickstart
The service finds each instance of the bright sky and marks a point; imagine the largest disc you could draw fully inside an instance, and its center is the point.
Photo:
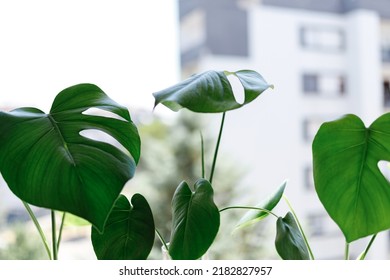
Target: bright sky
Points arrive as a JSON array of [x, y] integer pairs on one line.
[[127, 48]]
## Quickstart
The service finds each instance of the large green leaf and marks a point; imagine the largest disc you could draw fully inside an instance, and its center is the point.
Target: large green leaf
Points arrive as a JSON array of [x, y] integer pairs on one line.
[[129, 232], [289, 241], [347, 177], [46, 162], [253, 216], [195, 221], [211, 92]]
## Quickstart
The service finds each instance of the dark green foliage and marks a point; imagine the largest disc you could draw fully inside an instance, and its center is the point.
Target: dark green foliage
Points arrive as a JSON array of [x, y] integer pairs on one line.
[[195, 221], [129, 232], [46, 162], [289, 241], [211, 92]]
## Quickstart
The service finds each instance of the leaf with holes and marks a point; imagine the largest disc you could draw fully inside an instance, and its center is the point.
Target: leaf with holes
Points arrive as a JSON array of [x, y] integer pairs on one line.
[[289, 241], [129, 232], [268, 204], [46, 162], [347, 178], [195, 221], [211, 92]]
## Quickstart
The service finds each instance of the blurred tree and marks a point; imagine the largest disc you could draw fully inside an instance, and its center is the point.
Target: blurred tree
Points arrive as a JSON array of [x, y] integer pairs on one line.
[[24, 244]]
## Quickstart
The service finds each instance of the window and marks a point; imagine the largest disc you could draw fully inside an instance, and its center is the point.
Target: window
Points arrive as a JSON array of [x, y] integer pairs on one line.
[[385, 42], [386, 93], [192, 30], [386, 53], [331, 85], [322, 38], [316, 224], [319, 224], [308, 178], [311, 125]]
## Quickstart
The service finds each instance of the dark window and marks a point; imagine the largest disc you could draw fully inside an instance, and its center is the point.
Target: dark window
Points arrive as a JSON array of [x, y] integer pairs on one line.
[[386, 93], [308, 178], [310, 83], [324, 84]]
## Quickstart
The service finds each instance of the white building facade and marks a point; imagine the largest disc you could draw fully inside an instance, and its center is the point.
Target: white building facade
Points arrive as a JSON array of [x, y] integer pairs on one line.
[[324, 59]]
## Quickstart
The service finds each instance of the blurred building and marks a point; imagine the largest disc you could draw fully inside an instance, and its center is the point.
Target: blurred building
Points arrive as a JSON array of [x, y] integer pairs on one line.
[[325, 58]]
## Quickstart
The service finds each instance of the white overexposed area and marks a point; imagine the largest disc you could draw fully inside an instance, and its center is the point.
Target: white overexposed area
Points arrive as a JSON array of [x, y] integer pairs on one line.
[[128, 48]]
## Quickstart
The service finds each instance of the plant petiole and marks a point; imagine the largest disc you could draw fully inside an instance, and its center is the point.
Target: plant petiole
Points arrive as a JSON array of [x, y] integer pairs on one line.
[[217, 148], [60, 232], [250, 208], [346, 252], [164, 243], [53, 235], [364, 254], [38, 227], [300, 228]]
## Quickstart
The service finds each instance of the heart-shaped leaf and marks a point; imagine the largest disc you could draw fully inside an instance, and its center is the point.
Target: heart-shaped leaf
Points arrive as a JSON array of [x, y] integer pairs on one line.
[[289, 241], [253, 216], [211, 92], [129, 231], [346, 174], [195, 221], [46, 162]]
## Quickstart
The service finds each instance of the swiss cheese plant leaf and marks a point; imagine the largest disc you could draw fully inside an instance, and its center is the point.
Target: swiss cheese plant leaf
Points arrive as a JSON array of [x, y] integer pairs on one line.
[[289, 241], [253, 216], [129, 231], [47, 162], [347, 178], [195, 221], [211, 92]]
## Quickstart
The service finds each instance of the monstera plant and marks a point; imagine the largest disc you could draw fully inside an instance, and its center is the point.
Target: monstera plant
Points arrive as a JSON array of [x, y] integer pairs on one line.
[[48, 161], [347, 175]]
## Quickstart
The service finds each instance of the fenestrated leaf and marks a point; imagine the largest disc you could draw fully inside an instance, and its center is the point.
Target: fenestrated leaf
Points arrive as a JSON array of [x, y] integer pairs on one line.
[[129, 231], [195, 221], [211, 92], [346, 174], [46, 162], [253, 216], [289, 241]]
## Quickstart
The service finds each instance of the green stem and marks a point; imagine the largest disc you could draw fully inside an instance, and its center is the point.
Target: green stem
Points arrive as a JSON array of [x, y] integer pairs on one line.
[[53, 235], [60, 232], [164, 243], [300, 228], [38, 227], [217, 147], [250, 208], [202, 151], [364, 254], [346, 257]]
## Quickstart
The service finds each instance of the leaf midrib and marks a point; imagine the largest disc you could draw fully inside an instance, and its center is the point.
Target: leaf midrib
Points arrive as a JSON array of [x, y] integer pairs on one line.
[[65, 145], [361, 171]]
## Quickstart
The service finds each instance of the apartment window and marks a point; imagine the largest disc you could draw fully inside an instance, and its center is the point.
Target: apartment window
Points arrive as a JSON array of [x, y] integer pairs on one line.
[[320, 224], [324, 84], [311, 125], [385, 42], [308, 178], [316, 224], [192, 30], [386, 93], [322, 38], [386, 53]]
